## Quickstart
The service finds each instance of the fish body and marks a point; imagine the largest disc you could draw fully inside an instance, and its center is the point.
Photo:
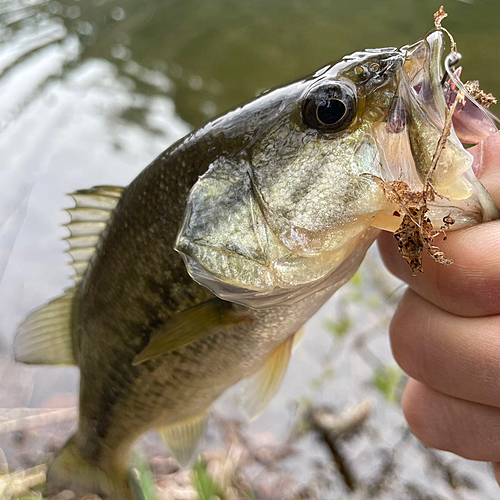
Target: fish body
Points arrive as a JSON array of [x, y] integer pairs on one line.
[[207, 265], [137, 282]]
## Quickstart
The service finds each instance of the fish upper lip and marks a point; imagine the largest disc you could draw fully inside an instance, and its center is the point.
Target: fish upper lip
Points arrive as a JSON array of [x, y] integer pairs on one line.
[[395, 61], [422, 71]]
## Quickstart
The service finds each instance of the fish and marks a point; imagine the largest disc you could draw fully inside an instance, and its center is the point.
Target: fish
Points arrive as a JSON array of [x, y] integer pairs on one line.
[[202, 272]]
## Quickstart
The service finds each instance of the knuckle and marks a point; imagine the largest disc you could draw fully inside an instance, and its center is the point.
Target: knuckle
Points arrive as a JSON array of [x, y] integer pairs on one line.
[[398, 332], [418, 419], [388, 251]]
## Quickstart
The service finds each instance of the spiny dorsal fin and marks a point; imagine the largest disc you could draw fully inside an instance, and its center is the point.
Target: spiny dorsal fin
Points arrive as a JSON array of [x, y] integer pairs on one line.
[[45, 335], [183, 438], [262, 386], [89, 218], [198, 322]]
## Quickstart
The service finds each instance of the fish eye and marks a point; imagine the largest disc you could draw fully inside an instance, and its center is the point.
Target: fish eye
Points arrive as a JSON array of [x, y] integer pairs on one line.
[[330, 108]]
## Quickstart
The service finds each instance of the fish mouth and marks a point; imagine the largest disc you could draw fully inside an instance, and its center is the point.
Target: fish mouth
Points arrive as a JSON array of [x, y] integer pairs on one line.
[[423, 75], [419, 143], [435, 83]]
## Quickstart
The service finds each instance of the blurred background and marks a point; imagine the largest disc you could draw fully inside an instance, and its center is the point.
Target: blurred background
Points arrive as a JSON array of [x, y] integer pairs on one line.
[[90, 92]]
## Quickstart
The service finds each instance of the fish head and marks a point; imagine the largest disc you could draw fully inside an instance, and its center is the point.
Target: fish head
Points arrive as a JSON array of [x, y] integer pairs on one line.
[[296, 206], [305, 169]]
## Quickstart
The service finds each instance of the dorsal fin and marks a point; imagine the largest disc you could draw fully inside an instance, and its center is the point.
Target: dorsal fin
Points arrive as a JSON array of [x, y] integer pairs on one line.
[[89, 218]]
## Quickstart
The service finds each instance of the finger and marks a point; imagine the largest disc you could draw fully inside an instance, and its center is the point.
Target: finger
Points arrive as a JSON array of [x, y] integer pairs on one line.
[[496, 471], [468, 429], [473, 251], [487, 164], [468, 287], [451, 354]]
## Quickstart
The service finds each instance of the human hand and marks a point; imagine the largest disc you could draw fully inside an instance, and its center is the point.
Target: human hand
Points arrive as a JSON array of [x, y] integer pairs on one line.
[[446, 333]]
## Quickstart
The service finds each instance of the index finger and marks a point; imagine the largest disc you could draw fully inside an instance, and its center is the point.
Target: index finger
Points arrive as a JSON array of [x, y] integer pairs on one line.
[[471, 285], [487, 164]]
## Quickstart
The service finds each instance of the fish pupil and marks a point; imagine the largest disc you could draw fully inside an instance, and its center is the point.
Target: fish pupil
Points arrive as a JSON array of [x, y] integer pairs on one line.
[[330, 108], [331, 111]]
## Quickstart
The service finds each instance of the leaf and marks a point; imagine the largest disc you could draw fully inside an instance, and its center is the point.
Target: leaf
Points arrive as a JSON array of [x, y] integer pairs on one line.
[[143, 479], [415, 233], [357, 279], [205, 485], [339, 328], [484, 99], [387, 380], [439, 16], [250, 495], [326, 375]]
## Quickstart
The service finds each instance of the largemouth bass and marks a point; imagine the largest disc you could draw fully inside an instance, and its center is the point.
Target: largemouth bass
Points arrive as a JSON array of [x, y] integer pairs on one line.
[[201, 272]]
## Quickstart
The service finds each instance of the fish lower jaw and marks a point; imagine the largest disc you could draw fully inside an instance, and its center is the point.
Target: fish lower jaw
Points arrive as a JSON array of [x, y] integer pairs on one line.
[[387, 220]]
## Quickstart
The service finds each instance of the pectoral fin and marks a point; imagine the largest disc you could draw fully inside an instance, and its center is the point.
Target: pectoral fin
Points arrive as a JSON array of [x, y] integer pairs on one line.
[[182, 439], [210, 317], [262, 386], [45, 335]]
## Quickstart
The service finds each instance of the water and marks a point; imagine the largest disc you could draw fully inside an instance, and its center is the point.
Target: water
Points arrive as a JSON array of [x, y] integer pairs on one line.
[[92, 90]]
